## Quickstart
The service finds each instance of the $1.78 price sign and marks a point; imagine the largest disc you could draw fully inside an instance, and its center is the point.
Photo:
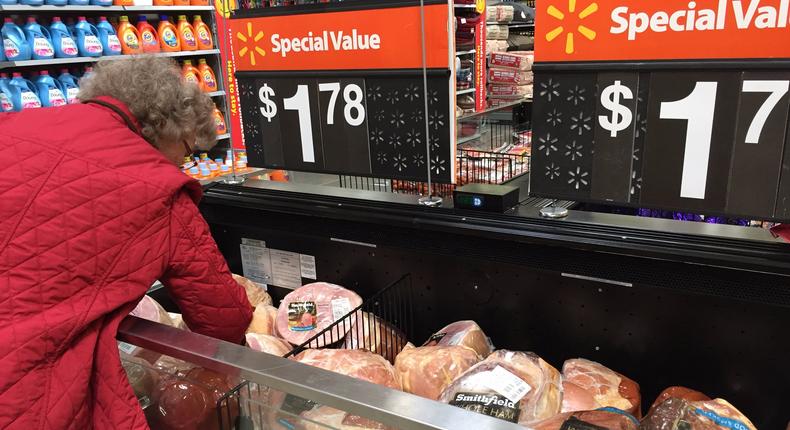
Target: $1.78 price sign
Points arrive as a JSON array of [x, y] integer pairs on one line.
[[713, 142]]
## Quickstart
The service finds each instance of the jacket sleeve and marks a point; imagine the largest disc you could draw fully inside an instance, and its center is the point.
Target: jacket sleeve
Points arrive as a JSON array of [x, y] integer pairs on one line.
[[198, 279]]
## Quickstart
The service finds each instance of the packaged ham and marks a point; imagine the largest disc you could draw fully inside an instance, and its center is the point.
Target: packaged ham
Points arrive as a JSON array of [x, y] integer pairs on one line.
[[680, 393], [509, 76], [514, 386], [518, 60], [255, 294], [151, 310], [584, 378], [268, 344], [142, 377], [190, 402], [426, 371], [263, 320], [604, 419], [178, 321], [680, 414], [375, 335], [462, 333], [324, 417], [308, 310]]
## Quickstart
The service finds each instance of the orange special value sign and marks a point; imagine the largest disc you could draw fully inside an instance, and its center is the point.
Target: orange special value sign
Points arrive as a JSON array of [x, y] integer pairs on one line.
[[386, 38], [623, 30]]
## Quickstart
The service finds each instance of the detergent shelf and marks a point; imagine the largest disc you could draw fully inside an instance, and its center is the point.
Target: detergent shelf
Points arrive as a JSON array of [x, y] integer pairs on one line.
[[71, 8], [60, 61]]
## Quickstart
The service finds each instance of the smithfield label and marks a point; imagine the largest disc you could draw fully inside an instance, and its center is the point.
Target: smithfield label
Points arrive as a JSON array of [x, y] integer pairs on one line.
[[492, 405]]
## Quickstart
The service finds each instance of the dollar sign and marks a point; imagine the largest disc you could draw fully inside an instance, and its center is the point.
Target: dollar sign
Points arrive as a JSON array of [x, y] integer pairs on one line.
[[269, 109], [621, 115]]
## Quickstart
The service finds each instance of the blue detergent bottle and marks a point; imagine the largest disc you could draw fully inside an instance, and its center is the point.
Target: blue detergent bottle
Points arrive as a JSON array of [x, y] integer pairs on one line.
[[79, 2], [108, 37], [101, 2], [5, 94], [8, 2], [39, 39], [69, 86], [15, 44], [32, 2], [62, 42], [23, 93], [49, 91], [56, 2], [88, 41]]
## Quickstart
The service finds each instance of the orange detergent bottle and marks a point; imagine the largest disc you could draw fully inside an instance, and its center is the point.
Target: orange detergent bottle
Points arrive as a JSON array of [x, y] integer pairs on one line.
[[180, 2], [191, 73], [163, 2], [148, 35], [129, 37], [207, 77], [219, 121], [203, 33], [168, 35], [199, 2], [186, 34]]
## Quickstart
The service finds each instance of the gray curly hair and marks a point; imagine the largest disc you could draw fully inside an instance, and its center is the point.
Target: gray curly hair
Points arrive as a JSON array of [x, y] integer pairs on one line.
[[169, 110]]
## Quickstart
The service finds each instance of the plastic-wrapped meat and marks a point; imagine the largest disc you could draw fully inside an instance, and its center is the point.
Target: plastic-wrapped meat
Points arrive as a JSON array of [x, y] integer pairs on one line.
[[608, 419], [374, 334], [514, 386], [680, 393], [462, 333], [151, 310], [268, 344], [255, 294], [324, 417], [426, 371], [189, 403], [607, 387], [142, 378], [308, 310], [178, 321], [263, 320], [680, 414]]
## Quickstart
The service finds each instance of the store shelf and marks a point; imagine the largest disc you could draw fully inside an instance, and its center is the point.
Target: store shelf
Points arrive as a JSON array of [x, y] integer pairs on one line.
[[466, 91], [78, 60], [464, 6], [465, 139], [469, 52], [494, 109], [223, 136], [510, 24], [216, 93], [73, 8], [248, 172]]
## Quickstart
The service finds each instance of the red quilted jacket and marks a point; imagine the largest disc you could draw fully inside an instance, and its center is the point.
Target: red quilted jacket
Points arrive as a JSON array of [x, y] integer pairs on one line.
[[90, 216]]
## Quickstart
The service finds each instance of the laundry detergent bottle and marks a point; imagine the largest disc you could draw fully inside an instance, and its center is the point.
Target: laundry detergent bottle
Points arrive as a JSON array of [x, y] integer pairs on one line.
[[168, 35], [88, 41], [219, 122], [39, 39], [23, 93], [187, 34], [5, 94], [130, 37], [32, 2], [8, 2], [15, 44], [56, 2], [110, 43], [69, 86], [203, 33], [49, 91], [207, 77], [190, 73], [148, 35], [62, 42]]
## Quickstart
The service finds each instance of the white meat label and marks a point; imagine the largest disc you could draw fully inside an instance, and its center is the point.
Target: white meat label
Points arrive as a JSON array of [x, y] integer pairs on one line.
[[92, 44], [307, 263], [126, 347], [507, 384], [340, 308]]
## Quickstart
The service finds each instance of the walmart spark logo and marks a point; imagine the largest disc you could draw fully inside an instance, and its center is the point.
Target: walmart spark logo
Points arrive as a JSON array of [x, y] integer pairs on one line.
[[569, 36], [249, 44]]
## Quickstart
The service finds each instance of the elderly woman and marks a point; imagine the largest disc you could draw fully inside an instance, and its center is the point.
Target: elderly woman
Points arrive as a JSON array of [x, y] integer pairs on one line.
[[93, 210]]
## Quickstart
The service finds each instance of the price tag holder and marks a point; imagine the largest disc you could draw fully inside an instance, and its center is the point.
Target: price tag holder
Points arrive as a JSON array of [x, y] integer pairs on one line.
[[341, 90], [664, 105]]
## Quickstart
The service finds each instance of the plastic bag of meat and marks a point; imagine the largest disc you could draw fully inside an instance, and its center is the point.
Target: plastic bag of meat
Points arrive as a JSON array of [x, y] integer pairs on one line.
[[462, 333], [178, 321], [426, 371], [263, 320], [374, 334], [268, 344], [151, 310], [680, 414], [514, 386], [680, 393], [603, 419], [142, 378], [308, 310], [190, 402], [255, 294], [323, 416], [590, 385]]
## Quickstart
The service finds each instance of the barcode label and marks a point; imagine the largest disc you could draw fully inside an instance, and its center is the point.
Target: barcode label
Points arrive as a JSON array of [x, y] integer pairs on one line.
[[340, 308], [507, 384], [126, 347]]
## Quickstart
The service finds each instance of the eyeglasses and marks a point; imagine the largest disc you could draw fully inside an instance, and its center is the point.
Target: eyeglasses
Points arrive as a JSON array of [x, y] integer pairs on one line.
[[188, 150]]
